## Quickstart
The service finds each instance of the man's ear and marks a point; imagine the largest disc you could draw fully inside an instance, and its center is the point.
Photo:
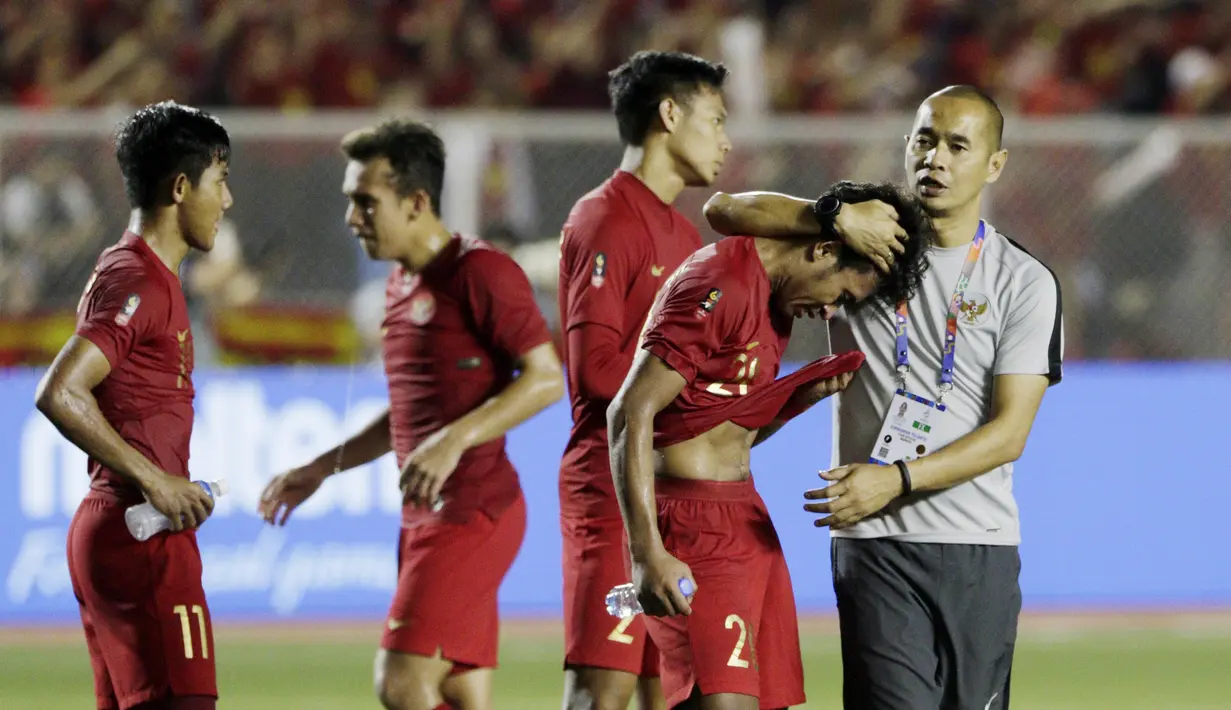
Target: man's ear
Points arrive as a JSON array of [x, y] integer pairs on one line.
[[417, 204], [827, 249], [670, 113], [995, 164], [179, 188]]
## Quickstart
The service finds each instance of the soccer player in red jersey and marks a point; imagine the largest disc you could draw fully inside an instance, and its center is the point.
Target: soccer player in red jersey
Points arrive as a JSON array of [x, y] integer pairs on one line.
[[121, 390], [460, 322], [619, 245], [700, 395]]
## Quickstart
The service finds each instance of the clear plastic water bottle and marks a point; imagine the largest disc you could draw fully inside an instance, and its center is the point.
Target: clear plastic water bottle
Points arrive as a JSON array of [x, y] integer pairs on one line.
[[622, 600], [144, 521]]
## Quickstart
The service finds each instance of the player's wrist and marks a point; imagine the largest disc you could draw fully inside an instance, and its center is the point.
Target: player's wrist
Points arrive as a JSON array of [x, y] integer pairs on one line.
[[795, 406], [904, 479], [645, 547], [322, 467], [148, 477], [827, 211], [458, 436]]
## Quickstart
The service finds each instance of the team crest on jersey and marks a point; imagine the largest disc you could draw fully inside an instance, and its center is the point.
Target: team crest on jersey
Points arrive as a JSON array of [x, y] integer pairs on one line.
[[599, 272], [422, 308], [130, 307], [706, 307], [973, 309], [408, 282]]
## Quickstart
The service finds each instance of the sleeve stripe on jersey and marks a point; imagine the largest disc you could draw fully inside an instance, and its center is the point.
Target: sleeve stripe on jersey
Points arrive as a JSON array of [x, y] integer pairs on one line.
[[1055, 352]]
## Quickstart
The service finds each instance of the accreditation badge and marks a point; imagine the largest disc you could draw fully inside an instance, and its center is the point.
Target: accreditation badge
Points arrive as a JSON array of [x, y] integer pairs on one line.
[[911, 426]]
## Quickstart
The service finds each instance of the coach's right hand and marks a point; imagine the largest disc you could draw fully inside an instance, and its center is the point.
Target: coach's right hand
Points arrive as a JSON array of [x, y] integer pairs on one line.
[[185, 503], [285, 492], [871, 228], [657, 581]]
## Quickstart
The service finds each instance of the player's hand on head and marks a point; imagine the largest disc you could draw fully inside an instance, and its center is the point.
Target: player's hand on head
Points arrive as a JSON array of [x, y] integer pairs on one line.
[[871, 228], [855, 492], [657, 580], [185, 503], [287, 491], [428, 467]]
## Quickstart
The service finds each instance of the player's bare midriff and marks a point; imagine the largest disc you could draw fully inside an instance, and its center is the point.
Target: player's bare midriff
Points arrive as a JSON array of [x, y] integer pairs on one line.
[[720, 454]]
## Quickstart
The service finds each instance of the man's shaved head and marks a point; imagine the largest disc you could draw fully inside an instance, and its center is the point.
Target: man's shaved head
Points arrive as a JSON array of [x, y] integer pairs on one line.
[[953, 149], [995, 119]]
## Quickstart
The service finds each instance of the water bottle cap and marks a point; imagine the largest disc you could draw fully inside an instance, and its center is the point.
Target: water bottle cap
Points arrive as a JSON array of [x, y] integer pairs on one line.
[[220, 487]]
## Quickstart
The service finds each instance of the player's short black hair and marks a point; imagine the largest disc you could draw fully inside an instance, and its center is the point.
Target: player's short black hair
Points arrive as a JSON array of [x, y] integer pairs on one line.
[[974, 93], [637, 87], [163, 140], [906, 274], [414, 151]]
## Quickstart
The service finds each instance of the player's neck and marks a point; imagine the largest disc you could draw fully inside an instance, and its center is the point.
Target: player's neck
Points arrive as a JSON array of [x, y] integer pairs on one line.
[[424, 250], [957, 228], [162, 235], [656, 169], [774, 255]]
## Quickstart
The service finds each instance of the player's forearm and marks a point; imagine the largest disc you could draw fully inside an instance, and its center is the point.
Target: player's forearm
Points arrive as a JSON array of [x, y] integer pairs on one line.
[[594, 355], [761, 214], [368, 445], [994, 444], [803, 400], [632, 470], [526, 396], [76, 414]]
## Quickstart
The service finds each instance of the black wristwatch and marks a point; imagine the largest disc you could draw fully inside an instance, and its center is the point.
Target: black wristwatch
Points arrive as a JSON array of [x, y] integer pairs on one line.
[[826, 211]]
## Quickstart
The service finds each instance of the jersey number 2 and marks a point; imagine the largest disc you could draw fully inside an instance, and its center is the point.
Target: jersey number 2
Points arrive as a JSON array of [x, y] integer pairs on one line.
[[617, 634], [735, 661]]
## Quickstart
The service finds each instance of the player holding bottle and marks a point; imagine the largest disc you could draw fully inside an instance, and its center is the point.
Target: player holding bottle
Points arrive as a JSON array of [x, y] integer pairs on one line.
[[700, 395], [121, 390]]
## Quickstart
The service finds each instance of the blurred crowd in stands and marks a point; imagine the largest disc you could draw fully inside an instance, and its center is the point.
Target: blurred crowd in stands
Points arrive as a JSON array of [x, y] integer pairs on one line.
[[1136, 230], [814, 56]]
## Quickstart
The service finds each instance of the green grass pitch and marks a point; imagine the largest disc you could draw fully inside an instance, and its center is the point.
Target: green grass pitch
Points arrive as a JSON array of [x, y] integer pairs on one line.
[[1176, 662]]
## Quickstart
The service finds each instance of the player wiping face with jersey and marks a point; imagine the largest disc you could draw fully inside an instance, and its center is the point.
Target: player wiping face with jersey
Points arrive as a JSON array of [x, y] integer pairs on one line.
[[702, 392]]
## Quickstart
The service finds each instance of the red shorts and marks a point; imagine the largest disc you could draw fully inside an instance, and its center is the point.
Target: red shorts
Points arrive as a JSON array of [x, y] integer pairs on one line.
[[742, 636], [147, 626], [595, 560], [448, 576]]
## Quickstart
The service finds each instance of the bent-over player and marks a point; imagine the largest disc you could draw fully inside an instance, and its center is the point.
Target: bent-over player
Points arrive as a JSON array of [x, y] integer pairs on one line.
[[700, 395]]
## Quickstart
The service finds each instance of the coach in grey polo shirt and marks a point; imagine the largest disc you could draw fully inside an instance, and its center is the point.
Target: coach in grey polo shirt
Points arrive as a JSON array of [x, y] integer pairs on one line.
[[925, 527]]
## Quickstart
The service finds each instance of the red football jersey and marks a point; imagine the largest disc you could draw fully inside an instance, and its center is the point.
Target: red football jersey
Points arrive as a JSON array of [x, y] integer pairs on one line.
[[452, 336], [618, 247], [714, 325], [133, 310]]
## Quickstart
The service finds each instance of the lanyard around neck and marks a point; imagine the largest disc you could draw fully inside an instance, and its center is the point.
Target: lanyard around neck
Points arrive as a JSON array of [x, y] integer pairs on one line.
[[955, 304]]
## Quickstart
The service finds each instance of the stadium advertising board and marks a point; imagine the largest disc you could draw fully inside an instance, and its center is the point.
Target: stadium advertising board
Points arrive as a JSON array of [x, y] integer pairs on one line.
[[1122, 491]]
